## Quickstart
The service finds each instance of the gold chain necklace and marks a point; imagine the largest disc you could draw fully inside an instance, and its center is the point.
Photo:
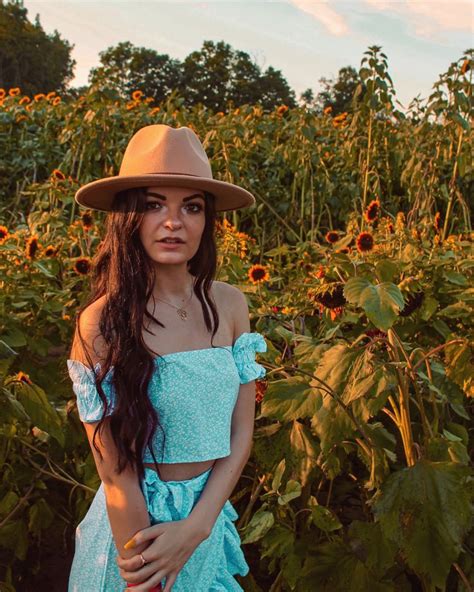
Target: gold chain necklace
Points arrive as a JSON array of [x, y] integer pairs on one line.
[[180, 311]]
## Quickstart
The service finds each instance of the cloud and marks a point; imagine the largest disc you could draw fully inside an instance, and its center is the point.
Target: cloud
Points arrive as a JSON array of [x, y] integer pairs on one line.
[[334, 22], [430, 17]]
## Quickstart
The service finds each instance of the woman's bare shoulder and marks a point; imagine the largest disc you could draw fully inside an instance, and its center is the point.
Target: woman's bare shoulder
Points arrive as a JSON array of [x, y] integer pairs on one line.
[[89, 325]]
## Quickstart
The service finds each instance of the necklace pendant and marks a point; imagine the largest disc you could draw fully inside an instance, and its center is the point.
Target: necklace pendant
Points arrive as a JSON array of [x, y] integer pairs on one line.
[[182, 313]]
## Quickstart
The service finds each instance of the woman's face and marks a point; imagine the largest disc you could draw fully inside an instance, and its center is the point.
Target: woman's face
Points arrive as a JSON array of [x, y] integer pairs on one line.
[[172, 212]]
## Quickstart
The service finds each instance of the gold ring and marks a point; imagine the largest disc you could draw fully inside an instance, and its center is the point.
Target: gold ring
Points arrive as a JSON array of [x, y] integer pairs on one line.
[[143, 560]]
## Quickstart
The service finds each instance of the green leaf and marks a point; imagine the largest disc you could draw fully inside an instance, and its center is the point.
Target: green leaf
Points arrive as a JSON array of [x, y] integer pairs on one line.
[[40, 516], [426, 509], [259, 525], [292, 491], [380, 302], [278, 474], [386, 270], [42, 414], [290, 399], [324, 519], [304, 451]]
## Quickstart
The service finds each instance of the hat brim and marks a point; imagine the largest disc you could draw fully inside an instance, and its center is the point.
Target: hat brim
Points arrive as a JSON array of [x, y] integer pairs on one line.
[[99, 194]]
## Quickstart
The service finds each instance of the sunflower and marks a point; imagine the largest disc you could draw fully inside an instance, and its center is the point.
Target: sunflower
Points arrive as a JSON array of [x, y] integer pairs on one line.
[[87, 220], [281, 110], [4, 234], [56, 101], [372, 211], [57, 174], [258, 274], [24, 100], [466, 66], [320, 272], [82, 265], [13, 92], [39, 96], [365, 242], [50, 95], [155, 110], [131, 105], [332, 237], [51, 251], [327, 110], [2, 93], [136, 95], [32, 247], [261, 388], [22, 377]]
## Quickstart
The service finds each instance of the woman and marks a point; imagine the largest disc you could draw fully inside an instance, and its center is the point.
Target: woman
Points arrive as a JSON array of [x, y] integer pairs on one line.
[[163, 367]]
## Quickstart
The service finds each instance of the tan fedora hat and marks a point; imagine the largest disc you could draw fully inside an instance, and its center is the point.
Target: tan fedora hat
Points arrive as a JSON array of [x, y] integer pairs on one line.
[[160, 155]]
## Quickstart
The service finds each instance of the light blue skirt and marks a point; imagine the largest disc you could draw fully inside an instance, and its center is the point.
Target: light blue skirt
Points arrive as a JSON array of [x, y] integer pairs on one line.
[[210, 568]]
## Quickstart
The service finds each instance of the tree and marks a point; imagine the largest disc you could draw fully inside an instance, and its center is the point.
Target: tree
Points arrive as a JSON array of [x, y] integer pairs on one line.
[[338, 94], [217, 74], [29, 58], [126, 68]]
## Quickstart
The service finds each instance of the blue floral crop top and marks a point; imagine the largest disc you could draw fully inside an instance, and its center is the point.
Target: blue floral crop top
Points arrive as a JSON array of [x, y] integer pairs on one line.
[[194, 393]]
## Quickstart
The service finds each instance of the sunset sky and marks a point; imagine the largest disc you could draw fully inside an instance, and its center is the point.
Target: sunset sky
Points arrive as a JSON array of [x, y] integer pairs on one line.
[[305, 40]]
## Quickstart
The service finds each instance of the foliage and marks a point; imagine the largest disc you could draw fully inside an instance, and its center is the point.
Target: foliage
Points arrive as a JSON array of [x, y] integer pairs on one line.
[[29, 58], [358, 273]]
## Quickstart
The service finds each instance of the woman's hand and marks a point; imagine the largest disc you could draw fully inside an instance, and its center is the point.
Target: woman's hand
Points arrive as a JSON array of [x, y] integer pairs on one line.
[[173, 544]]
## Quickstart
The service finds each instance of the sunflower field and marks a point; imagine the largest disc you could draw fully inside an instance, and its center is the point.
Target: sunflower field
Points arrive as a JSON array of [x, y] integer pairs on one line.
[[357, 262]]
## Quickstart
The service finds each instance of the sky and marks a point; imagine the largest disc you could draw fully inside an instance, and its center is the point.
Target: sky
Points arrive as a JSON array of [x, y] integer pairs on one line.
[[305, 40]]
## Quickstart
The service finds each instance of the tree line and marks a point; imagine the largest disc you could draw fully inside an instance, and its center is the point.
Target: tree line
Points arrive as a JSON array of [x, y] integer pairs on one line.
[[38, 62]]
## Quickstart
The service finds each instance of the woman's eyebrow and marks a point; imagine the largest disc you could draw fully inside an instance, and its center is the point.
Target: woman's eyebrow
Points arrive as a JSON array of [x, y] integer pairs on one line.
[[184, 198]]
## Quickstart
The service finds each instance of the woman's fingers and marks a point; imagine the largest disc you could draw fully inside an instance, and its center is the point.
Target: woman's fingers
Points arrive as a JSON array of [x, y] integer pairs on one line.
[[141, 575], [130, 564], [151, 532], [170, 580]]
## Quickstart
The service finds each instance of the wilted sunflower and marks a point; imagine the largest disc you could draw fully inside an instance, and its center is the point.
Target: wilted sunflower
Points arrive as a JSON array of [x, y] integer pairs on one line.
[[365, 242], [258, 274], [372, 211], [329, 295], [332, 237], [32, 247], [4, 234], [82, 265], [413, 301]]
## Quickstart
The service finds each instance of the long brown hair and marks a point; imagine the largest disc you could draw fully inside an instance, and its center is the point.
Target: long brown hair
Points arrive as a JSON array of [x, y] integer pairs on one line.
[[123, 271]]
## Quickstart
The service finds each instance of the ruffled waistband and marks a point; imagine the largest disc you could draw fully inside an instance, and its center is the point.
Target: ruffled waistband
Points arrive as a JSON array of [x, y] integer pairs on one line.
[[171, 500]]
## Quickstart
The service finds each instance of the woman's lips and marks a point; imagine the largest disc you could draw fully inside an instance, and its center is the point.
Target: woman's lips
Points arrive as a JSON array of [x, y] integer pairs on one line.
[[170, 245]]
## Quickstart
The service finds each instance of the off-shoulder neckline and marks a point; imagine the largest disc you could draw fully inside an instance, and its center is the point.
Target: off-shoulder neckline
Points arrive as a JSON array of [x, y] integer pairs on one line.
[[186, 351]]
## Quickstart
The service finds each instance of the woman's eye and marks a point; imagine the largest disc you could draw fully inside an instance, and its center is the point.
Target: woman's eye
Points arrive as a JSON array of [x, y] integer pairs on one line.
[[197, 206], [152, 203]]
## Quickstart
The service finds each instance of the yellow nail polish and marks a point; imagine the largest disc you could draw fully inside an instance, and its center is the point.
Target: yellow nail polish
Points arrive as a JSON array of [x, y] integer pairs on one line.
[[129, 544]]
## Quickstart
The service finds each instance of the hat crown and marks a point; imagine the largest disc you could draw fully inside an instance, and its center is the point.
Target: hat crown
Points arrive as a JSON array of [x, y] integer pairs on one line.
[[163, 149]]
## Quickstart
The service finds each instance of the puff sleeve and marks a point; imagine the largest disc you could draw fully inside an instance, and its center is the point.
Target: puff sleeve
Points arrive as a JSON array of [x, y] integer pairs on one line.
[[89, 404], [243, 352]]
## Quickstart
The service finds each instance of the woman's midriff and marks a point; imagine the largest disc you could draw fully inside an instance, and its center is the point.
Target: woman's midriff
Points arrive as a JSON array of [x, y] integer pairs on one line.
[[180, 471]]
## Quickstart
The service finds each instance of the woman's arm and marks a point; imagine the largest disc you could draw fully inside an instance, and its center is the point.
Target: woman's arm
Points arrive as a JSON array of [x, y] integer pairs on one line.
[[126, 505]]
